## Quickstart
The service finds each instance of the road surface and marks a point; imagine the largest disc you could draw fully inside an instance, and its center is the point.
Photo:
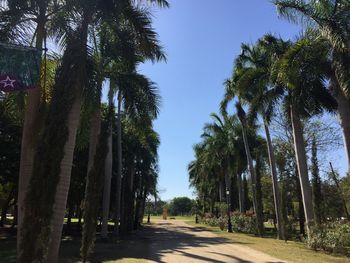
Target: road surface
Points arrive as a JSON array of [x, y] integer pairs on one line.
[[174, 241]]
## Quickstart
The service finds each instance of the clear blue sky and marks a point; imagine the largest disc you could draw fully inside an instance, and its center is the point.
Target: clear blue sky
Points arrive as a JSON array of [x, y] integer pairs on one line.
[[201, 38]]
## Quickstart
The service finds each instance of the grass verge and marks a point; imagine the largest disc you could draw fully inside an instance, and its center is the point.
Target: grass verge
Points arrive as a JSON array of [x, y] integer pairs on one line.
[[291, 251]]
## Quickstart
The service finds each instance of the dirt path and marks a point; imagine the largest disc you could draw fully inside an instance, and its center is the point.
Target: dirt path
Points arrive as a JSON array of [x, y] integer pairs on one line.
[[175, 241]]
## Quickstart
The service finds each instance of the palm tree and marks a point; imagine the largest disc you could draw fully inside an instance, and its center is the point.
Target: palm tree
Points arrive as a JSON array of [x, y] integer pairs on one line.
[[46, 198], [253, 87], [108, 174], [17, 21], [140, 144], [120, 48], [94, 183], [306, 95], [242, 117], [220, 135], [140, 98], [330, 19]]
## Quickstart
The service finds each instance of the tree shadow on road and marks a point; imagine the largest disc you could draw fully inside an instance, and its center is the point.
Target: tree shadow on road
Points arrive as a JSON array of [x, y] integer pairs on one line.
[[153, 241]]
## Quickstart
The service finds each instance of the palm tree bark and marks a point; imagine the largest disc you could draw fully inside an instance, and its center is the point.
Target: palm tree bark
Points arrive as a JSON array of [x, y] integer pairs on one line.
[[259, 196], [240, 193], [53, 159], [131, 203], [275, 187], [344, 119], [108, 171], [250, 165], [30, 132], [300, 153], [128, 199], [94, 135], [119, 168], [107, 188], [61, 196]]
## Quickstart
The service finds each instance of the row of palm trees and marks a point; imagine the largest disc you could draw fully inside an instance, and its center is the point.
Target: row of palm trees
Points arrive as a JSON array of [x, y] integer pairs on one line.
[[305, 78], [100, 40]]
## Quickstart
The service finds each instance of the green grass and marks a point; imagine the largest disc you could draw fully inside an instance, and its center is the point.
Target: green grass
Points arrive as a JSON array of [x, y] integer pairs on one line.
[[290, 251], [186, 218]]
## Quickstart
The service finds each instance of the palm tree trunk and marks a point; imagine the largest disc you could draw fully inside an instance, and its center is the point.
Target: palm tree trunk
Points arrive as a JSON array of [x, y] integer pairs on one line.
[[143, 206], [137, 210], [344, 119], [61, 196], [228, 191], [72, 122], [275, 187], [128, 199], [250, 166], [221, 191], [107, 188], [108, 171], [30, 132], [259, 197], [240, 193], [119, 171], [94, 135], [256, 208], [301, 213], [300, 153], [131, 204]]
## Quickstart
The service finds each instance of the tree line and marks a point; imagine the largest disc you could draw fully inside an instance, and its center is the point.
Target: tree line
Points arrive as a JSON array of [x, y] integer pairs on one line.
[[75, 155], [276, 113]]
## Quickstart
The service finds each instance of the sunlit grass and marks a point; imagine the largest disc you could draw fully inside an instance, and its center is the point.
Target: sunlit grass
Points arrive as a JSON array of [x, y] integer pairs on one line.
[[290, 251]]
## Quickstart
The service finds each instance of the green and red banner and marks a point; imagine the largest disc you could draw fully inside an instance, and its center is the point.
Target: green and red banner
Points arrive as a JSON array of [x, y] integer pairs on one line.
[[19, 67]]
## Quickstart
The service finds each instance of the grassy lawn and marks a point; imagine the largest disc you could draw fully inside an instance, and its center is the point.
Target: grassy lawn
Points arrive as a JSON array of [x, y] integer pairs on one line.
[[290, 251]]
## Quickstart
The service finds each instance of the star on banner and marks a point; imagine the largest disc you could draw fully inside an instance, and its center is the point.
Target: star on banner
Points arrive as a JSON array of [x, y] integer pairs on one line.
[[8, 82]]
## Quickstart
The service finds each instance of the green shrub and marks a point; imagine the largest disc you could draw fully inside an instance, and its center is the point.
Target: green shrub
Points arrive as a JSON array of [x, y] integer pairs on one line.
[[240, 222], [332, 237], [244, 223]]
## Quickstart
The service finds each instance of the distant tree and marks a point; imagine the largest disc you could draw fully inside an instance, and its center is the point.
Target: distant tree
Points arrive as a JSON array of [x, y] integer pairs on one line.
[[180, 206]]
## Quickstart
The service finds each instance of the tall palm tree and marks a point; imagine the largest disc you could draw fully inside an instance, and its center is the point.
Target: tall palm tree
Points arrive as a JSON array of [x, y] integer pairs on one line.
[[330, 19], [17, 22], [53, 159], [253, 87], [140, 145], [139, 97], [242, 117], [107, 174], [222, 140], [303, 70], [120, 48]]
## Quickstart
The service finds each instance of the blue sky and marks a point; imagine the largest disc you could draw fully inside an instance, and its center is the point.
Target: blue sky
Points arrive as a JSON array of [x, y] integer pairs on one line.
[[201, 38]]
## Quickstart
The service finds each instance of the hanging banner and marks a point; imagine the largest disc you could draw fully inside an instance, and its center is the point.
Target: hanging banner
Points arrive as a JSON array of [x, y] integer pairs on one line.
[[19, 67]]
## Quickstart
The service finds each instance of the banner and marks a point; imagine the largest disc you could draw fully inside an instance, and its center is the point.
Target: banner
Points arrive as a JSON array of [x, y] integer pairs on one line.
[[19, 67]]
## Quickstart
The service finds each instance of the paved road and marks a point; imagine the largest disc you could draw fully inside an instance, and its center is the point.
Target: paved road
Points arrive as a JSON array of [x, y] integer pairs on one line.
[[175, 241]]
